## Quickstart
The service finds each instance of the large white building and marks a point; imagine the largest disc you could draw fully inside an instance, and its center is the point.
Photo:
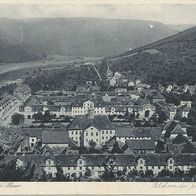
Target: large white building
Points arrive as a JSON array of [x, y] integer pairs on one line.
[[8, 106], [87, 106], [87, 128]]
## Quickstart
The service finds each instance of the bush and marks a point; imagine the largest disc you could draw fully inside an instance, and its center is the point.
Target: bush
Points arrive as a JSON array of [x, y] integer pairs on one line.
[[17, 119]]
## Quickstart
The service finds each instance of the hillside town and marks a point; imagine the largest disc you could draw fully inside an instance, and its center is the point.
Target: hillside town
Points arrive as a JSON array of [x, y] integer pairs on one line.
[[130, 131]]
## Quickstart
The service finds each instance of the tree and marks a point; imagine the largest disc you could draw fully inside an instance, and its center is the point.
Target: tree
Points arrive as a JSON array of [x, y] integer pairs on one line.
[[149, 173], [192, 172], [73, 176], [1, 149], [38, 116], [92, 144], [131, 117], [153, 118], [116, 148], [59, 175], [147, 113], [164, 173], [160, 146], [133, 173], [109, 169], [87, 172], [126, 114], [179, 173], [48, 116], [17, 119]]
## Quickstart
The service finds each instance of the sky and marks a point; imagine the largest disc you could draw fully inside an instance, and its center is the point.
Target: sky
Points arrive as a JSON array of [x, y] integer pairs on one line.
[[165, 13]]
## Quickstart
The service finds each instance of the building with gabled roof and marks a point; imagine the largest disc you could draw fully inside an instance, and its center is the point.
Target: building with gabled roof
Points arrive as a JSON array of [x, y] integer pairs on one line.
[[138, 133], [76, 165], [173, 128], [140, 146], [189, 147], [88, 128], [8, 106], [55, 139], [83, 107]]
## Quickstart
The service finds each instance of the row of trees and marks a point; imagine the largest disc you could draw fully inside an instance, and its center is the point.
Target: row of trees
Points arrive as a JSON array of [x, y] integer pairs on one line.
[[47, 116]]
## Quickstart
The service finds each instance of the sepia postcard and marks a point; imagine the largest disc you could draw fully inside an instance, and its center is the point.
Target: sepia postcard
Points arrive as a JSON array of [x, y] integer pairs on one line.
[[97, 97]]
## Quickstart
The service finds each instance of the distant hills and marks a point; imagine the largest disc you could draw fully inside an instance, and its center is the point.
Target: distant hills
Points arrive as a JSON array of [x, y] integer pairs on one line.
[[81, 36], [13, 51], [171, 59]]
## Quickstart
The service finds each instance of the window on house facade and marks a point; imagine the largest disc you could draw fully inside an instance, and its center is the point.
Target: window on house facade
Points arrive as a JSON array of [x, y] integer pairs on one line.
[[97, 134], [102, 132], [171, 161], [91, 128], [102, 138], [91, 133], [170, 167], [68, 168], [80, 168], [141, 161], [86, 134], [106, 132]]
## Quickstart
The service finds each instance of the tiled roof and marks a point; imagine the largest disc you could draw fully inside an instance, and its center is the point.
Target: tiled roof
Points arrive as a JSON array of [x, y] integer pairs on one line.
[[180, 139], [33, 132], [67, 160], [83, 122], [141, 144], [154, 159], [190, 147], [111, 142], [153, 132], [170, 125], [178, 130], [55, 137], [175, 148], [7, 99]]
